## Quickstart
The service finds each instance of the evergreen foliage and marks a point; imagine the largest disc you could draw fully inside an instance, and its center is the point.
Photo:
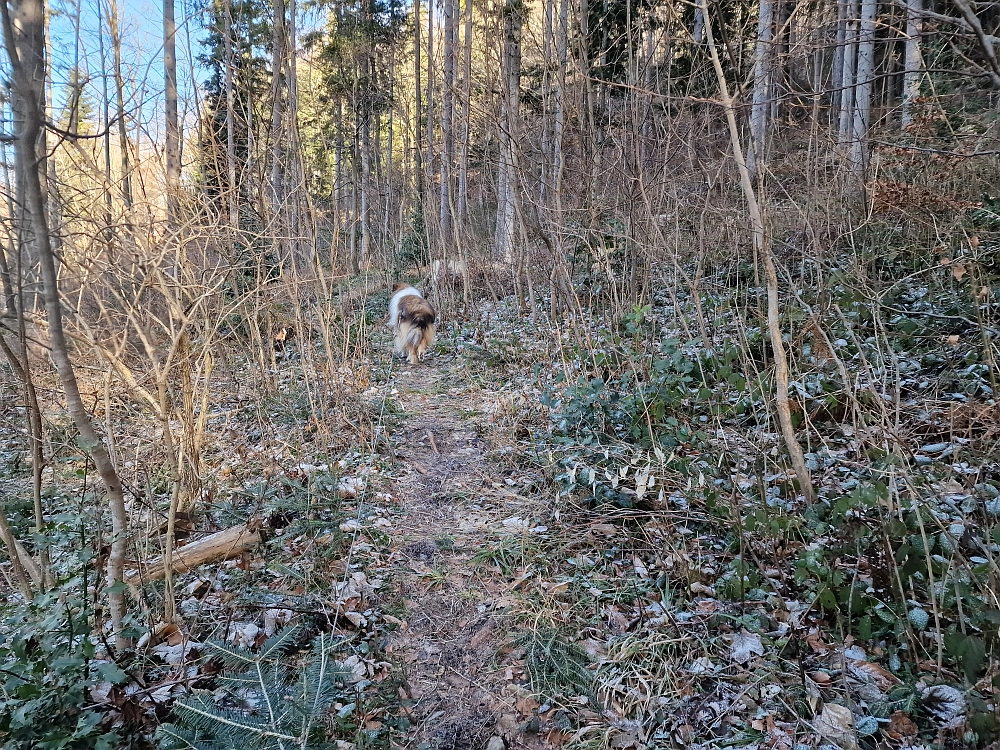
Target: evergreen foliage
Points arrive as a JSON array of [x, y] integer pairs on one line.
[[261, 705]]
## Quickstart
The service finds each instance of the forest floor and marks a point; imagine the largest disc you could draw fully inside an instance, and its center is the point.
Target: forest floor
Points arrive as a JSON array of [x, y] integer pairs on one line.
[[455, 644], [495, 572]]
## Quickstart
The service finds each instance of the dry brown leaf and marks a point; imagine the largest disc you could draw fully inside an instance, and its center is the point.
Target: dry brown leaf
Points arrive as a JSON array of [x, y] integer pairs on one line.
[[836, 723], [480, 637], [815, 642], [701, 588], [876, 673], [617, 622], [557, 737], [683, 733], [526, 705], [821, 678], [958, 270], [900, 726], [558, 589]]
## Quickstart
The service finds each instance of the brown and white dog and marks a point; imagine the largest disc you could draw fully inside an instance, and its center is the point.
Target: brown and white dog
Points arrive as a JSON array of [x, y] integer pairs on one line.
[[412, 320]]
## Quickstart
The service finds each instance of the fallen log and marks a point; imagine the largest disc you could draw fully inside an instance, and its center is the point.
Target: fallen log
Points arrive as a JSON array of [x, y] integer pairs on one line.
[[223, 545]]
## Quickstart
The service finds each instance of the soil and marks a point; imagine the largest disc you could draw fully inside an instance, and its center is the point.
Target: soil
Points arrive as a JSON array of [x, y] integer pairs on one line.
[[455, 645]]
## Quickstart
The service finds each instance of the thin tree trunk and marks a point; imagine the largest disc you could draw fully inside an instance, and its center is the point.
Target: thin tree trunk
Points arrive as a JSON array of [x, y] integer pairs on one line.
[[388, 150], [418, 100], [26, 52], [428, 164], [558, 160], [173, 138], [763, 87], [106, 139], [463, 164], [116, 46], [297, 231], [510, 105], [848, 80], [447, 122], [837, 73], [863, 89], [366, 230], [762, 246], [547, 125], [48, 164], [913, 61], [698, 32], [232, 192], [781, 40], [338, 152], [277, 117]]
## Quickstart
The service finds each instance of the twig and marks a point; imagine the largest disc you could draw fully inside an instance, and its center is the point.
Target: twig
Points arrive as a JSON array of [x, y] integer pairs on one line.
[[430, 436]]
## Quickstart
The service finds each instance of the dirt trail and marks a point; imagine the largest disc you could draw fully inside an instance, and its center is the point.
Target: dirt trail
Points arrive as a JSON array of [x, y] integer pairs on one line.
[[455, 681]]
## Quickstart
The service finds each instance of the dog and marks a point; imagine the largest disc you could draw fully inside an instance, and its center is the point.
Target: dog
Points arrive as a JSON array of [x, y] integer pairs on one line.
[[412, 320]]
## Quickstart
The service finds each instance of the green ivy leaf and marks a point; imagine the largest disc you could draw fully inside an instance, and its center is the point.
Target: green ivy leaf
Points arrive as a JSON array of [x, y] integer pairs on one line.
[[118, 587], [968, 651], [112, 673]]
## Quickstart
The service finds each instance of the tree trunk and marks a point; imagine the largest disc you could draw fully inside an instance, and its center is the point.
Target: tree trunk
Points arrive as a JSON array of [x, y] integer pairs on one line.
[[116, 46], [366, 229], [863, 90], [26, 52], [463, 156], [338, 153], [698, 32], [509, 112], [447, 121], [559, 125], [763, 87], [277, 117], [389, 197], [106, 138], [418, 100], [429, 118], [848, 79], [763, 247], [913, 61], [173, 139], [232, 191], [837, 73]]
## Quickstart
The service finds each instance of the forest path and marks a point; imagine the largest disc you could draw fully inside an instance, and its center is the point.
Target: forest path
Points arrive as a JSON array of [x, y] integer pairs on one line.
[[459, 693]]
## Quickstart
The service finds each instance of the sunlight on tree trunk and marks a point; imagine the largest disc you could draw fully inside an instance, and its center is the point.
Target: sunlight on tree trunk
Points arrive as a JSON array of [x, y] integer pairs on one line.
[[172, 148], [863, 90], [26, 50]]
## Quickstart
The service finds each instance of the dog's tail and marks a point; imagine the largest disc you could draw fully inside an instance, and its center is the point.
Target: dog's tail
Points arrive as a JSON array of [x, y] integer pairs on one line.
[[419, 318], [417, 327]]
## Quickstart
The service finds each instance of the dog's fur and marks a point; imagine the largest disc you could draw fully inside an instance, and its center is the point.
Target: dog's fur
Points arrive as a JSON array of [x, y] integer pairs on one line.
[[412, 320]]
